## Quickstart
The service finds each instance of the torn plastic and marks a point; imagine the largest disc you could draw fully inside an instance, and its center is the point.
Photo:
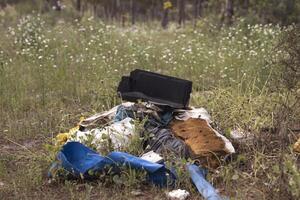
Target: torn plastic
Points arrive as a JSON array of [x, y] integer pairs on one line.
[[82, 162], [62, 138], [196, 113], [119, 134], [156, 88], [102, 118], [198, 175]]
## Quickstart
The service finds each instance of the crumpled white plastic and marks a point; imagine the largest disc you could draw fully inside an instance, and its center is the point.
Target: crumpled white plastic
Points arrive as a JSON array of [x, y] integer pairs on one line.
[[110, 114], [120, 134]]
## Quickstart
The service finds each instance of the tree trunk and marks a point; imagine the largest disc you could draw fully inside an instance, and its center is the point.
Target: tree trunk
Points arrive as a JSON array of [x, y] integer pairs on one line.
[[165, 19], [229, 11], [56, 5], [114, 9], [78, 5], [196, 11], [245, 7], [181, 4], [133, 11], [200, 4], [152, 10], [95, 10]]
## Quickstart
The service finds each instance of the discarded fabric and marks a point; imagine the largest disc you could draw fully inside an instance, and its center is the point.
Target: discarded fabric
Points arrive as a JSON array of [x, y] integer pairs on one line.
[[81, 161], [142, 111], [198, 175], [164, 142]]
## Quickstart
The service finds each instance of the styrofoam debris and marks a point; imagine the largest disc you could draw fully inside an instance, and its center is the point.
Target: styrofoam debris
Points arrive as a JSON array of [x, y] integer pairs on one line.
[[240, 135], [152, 157], [178, 194]]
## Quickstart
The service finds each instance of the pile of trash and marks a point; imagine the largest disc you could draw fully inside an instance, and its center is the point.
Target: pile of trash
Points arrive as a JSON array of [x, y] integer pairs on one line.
[[159, 104]]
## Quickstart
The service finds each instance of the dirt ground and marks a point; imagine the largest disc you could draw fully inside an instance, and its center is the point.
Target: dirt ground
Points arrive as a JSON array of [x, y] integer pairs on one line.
[[24, 165]]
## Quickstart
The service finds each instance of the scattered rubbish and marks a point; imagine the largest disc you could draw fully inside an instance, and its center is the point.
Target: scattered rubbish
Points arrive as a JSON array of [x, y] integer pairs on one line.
[[118, 134], [151, 156], [164, 142], [202, 139], [198, 175], [61, 138], [178, 194], [296, 146], [137, 193], [1, 184], [83, 162], [102, 118], [193, 113], [166, 127], [240, 135], [156, 88]]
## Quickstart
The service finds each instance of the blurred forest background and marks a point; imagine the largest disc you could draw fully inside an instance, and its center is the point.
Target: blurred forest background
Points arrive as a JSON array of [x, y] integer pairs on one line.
[[283, 12]]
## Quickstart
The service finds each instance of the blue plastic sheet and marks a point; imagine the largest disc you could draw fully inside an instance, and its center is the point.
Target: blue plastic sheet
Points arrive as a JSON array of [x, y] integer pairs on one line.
[[81, 160], [197, 175]]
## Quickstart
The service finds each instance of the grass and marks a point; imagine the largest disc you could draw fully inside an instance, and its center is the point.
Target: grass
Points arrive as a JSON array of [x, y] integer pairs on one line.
[[51, 75]]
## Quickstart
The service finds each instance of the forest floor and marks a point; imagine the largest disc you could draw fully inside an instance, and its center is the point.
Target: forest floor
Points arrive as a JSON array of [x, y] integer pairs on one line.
[[51, 74]]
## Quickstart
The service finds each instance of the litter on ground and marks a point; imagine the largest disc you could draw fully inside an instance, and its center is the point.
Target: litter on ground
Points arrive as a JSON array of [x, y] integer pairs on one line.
[[159, 104]]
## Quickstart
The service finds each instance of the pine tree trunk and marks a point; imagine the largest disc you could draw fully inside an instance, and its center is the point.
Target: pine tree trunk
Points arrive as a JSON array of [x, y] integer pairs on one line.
[[133, 11], [165, 19], [229, 11], [181, 4], [196, 11], [78, 5], [245, 7]]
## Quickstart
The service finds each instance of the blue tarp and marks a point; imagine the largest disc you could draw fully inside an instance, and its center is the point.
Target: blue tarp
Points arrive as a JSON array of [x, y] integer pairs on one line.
[[198, 175], [81, 160]]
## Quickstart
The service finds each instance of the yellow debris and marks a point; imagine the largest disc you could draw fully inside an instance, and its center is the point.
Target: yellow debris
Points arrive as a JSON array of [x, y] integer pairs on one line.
[[73, 130], [167, 5], [62, 138], [80, 120], [297, 146]]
